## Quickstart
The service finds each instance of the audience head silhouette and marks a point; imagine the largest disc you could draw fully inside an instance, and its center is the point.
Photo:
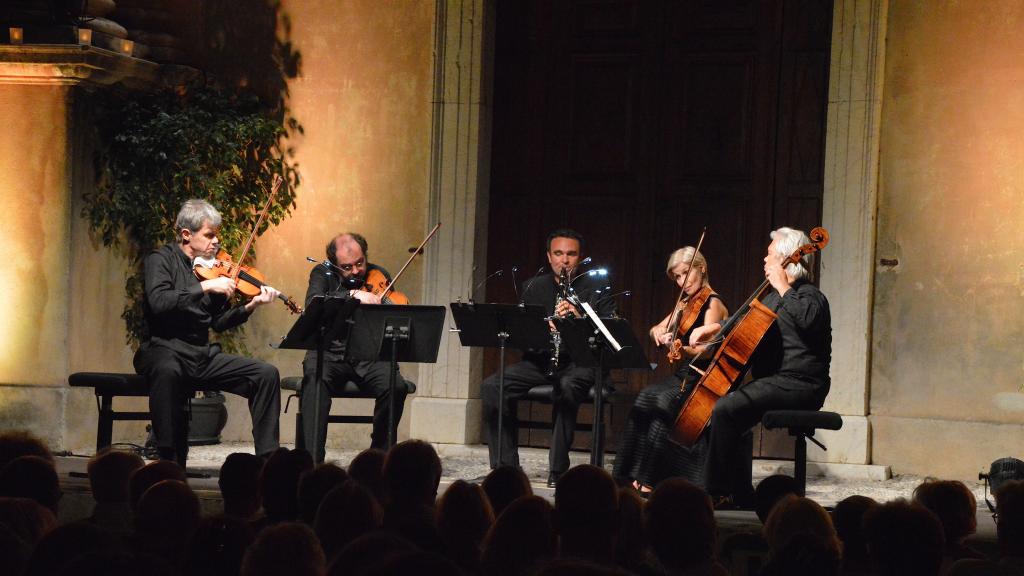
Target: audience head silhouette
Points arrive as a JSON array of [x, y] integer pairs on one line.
[[286, 548], [678, 507], [522, 537], [346, 512], [143, 478], [280, 483], [904, 539], [314, 485], [109, 472], [31, 477], [504, 484], [239, 483]]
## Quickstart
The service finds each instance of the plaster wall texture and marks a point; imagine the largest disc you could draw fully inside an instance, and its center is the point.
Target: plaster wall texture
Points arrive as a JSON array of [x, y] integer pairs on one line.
[[946, 367], [33, 214], [364, 99], [34, 174]]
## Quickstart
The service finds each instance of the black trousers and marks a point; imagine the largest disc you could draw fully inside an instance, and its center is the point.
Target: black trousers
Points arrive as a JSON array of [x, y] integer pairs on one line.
[[740, 410], [175, 370], [369, 377], [571, 387]]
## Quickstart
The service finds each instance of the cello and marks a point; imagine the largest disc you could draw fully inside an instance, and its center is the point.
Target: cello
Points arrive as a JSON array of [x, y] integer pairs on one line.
[[743, 332]]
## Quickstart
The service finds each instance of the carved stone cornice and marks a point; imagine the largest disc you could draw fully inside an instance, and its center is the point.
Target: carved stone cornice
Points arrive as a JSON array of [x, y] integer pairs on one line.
[[80, 65]]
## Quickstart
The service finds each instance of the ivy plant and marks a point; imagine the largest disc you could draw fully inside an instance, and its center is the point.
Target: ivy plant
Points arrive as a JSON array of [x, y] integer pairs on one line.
[[157, 150]]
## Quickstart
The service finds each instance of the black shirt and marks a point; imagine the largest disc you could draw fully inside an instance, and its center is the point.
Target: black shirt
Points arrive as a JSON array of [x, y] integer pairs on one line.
[[175, 305], [798, 346]]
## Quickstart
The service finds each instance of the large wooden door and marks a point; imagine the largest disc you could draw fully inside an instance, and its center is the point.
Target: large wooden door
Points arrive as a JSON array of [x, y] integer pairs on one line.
[[637, 123]]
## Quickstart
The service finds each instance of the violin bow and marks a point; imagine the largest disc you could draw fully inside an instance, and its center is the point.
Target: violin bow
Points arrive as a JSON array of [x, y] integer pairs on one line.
[[682, 290], [259, 222], [417, 252]]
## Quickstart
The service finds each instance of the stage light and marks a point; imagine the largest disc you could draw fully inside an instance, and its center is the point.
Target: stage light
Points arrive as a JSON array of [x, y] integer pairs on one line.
[[998, 473], [16, 34]]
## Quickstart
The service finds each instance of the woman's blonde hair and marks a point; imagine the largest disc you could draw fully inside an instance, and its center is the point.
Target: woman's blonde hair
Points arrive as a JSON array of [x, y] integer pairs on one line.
[[682, 256]]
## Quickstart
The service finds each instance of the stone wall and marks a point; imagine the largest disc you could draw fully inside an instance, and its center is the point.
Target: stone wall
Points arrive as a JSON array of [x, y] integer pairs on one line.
[[946, 361]]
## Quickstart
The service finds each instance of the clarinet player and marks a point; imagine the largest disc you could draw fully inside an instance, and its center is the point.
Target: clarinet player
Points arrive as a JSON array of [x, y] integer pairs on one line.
[[553, 366]]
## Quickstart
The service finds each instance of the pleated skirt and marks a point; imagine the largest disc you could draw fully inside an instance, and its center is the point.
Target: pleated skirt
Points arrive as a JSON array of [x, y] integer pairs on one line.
[[646, 453]]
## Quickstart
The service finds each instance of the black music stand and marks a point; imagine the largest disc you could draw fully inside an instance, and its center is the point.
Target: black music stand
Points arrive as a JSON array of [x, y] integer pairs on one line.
[[325, 319], [590, 348], [500, 325], [378, 330]]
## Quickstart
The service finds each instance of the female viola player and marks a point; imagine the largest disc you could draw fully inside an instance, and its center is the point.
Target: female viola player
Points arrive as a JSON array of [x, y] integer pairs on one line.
[[646, 455]]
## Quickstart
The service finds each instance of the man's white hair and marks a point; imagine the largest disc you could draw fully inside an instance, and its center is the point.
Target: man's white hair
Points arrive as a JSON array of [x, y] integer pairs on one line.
[[194, 213], [787, 240]]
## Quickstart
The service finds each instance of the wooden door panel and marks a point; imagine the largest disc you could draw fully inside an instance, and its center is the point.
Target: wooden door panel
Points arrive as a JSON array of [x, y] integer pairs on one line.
[[637, 122]]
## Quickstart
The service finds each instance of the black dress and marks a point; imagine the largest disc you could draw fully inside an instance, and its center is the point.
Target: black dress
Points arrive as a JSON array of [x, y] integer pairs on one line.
[[646, 454]]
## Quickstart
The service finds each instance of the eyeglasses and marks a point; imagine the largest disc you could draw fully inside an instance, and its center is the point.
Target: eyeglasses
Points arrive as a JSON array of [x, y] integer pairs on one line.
[[348, 267]]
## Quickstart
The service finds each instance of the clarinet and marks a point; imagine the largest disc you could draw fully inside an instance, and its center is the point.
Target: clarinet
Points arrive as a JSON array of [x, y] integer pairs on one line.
[[556, 337]]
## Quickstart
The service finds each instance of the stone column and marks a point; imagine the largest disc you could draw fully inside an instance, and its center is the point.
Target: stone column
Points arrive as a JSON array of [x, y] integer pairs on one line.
[[850, 198], [446, 408], [57, 281]]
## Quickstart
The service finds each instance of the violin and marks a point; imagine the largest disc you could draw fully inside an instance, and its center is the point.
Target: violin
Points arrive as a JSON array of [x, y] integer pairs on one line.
[[684, 317], [376, 283], [743, 333], [248, 279], [684, 320]]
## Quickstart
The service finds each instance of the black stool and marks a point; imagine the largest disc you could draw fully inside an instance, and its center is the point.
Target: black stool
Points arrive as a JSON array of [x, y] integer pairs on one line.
[[802, 424], [349, 390], [543, 394]]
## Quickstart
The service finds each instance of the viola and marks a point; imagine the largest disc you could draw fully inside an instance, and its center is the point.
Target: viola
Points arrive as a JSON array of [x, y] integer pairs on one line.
[[376, 283], [248, 277], [743, 333]]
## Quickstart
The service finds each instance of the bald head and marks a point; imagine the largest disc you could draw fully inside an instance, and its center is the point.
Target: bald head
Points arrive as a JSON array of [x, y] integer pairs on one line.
[[348, 251]]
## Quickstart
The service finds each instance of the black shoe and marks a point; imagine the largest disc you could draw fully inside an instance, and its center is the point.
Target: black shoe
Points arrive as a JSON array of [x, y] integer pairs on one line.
[[553, 479]]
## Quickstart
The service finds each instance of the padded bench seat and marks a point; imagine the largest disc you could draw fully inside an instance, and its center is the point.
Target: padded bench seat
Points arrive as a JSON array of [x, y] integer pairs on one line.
[[107, 385]]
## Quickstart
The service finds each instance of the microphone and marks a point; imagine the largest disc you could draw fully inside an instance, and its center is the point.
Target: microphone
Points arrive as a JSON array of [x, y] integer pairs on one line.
[[610, 296], [603, 272], [529, 283], [484, 281], [579, 265], [468, 285], [515, 287], [326, 264]]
